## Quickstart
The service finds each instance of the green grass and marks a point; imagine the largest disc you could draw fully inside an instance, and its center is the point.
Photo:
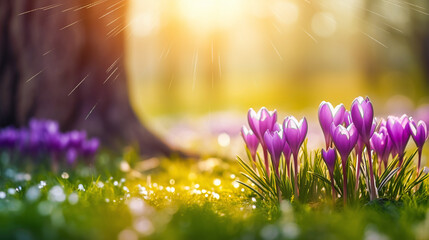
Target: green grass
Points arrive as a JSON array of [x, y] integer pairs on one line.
[[206, 203]]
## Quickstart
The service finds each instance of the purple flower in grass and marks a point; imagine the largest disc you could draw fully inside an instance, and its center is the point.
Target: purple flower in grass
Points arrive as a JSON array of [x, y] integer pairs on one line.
[[259, 123], [71, 156], [251, 141], [399, 132], [419, 132], [362, 113], [295, 134], [345, 140], [90, 147], [275, 143], [76, 138], [330, 157], [380, 143], [328, 115]]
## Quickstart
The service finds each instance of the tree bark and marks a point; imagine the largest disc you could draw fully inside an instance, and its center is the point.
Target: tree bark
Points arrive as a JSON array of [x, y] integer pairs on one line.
[[64, 60]]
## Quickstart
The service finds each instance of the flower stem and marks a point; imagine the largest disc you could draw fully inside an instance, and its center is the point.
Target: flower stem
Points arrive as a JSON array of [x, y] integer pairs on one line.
[[420, 159], [344, 165], [358, 163], [331, 175], [267, 165], [295, 164], [373, 190]]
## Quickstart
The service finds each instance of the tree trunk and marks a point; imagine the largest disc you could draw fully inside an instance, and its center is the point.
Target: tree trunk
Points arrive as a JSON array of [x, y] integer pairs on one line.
[[64, 60]]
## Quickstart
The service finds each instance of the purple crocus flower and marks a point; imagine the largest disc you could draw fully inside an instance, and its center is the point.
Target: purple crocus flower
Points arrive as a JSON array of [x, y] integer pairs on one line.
[[380, 144], [259, 123], [275, 142], [295, 134], [71, 156], [251, 141], [327, 115], [89, 148], [399, 132], [419, 132], [362, 113], [345, 140], [330, 157], [76, 138]]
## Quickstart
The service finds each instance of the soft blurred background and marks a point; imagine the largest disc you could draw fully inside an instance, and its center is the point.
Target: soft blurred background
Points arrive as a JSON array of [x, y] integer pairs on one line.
[[197, 66]]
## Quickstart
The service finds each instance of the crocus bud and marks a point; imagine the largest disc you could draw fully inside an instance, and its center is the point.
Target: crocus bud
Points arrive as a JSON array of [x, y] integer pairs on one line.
[[327, 115], [419, 132], [275, 142], [90, 147], [251, 141], [344, 138], [362, 113], [261, 122], [76, 138], [329, 156], [295, 133], [399, 132]]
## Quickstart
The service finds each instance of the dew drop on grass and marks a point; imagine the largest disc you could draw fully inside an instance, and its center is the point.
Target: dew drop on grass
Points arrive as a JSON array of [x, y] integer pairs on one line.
[[65, 175]]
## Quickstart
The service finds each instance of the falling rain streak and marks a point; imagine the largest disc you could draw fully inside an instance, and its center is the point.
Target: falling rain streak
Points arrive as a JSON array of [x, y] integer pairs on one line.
[[92, 109], [276, 50], [111, 74], [34, 76], [71, 24], [195, 69], [78, 84], [375, 40]]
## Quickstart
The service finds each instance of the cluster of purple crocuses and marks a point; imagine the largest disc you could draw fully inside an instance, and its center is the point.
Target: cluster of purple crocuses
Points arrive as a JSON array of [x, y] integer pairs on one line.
[[344, 131], [276, 139], [43, 138], [358, 129]]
